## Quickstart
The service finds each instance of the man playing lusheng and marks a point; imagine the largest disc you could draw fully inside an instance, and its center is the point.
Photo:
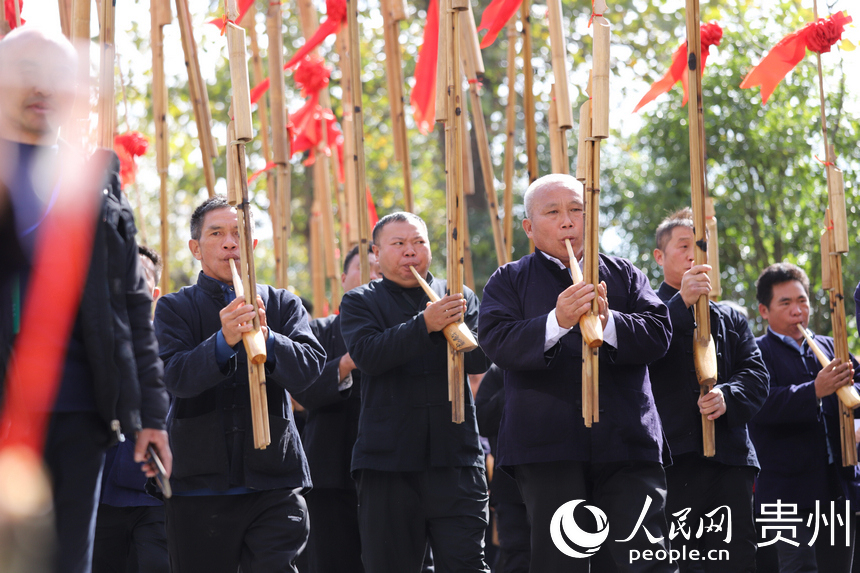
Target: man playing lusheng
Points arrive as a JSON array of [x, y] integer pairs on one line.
[[419, 474], [796, 432], [529, 327], [726, 480], [232, 504]]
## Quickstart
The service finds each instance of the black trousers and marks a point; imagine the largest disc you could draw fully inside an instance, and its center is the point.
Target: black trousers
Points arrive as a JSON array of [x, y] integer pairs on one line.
[[399, 511], [699, 486], [130, 540], [822, 556], [261, 531], [621, 490], [75, 454], [334, 545]]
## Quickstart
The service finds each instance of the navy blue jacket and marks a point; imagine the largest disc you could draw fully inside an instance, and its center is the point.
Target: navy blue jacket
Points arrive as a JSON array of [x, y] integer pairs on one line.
[[742, 377], [332, 424], [405, 422], [210, 420], [542, 419], [789, 430]]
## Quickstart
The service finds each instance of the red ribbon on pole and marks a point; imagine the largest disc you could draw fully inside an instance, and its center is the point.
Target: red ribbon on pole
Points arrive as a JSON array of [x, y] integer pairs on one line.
[[495, 17], [10, 13], [711, 35], [818, 36], [423, 98], [244, 6]]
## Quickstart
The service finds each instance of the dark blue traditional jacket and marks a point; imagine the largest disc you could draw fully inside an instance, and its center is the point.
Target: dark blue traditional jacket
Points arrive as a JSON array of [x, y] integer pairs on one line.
[[210, 419], [332, 424], [796, 435], [542, 419], [405, 422], [742, 377]]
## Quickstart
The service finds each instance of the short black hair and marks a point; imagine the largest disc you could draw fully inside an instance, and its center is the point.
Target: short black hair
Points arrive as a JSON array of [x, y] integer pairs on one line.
[[775, 274], [150, 254], [397, 217], [210, 204], [680, 218], [352, 254]]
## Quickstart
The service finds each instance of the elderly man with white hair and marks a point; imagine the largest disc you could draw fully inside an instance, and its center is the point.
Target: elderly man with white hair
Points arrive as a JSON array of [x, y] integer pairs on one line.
[[528, 326]]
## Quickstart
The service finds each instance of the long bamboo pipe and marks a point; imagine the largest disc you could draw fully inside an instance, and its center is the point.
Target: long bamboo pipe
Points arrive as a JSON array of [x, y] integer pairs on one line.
[[161, 15], [847, 394], [457, 334]]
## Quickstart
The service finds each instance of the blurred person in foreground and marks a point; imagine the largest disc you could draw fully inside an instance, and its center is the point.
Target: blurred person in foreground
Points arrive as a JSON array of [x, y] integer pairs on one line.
[[110, 377]]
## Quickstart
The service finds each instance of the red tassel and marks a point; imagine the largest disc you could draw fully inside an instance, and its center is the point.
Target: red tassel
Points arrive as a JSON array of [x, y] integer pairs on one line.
[[423, 98], [335, 16], [371, 209], [129, 146], [495, 17], [818, 36], [710, 34], [221, 23]]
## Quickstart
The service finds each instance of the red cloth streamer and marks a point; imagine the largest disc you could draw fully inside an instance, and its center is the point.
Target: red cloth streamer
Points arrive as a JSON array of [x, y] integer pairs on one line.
[[10, 13], [372, 217], [36, 364], [335, 16], [128, 146], [818, 36], [243, 5], [423, 97], [711, 34], [256, 174], [495, 17], [305, 127]]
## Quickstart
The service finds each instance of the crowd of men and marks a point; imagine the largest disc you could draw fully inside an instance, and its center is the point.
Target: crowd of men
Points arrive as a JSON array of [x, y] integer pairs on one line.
[[382, 480]]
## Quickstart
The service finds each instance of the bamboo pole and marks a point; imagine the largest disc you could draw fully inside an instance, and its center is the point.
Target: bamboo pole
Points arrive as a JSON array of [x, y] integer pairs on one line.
[[528, 93], [322, 172], [198, 94], [161, 15], [510, 131], [350, 226], [4, 25], [704, 351], [472, 64], [558, 46], [65, 7], [358, 161], [281, 220], [317, 260], [393, 11], [107, 93]]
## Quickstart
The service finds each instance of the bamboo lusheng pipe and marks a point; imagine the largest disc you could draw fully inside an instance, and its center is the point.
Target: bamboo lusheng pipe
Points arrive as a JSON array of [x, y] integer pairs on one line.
[[590, 325], [106, 105], [349, 219], [528, 93], [704, 350], [392, 10], [457, 334], [161, 16], [847, 394], [713, 249], [600, 100], [353, 58], [472, 61], [558, 46], [840, 344], [65, 7], [510, 131], [557, 148], [198, 94], [254, 341], [281, 220]]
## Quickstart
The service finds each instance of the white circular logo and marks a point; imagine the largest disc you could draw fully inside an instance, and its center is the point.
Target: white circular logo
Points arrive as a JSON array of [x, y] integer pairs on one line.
[[587, 542]]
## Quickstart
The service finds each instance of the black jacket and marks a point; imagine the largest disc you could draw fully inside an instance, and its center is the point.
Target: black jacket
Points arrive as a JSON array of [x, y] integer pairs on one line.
[[210, 418], [742, 377], [405, 422], [114, 318], [332, 424]]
